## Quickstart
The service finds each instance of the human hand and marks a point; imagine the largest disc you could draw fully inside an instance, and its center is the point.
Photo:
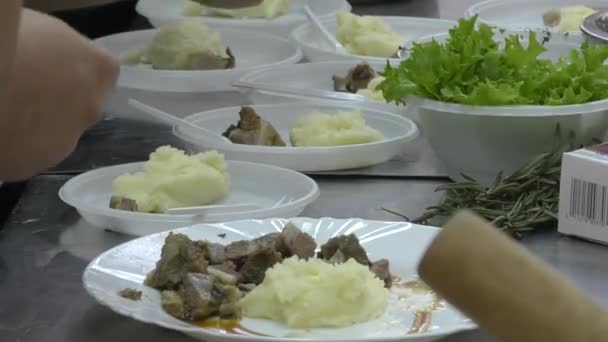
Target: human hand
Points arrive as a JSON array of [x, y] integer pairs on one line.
[[58, 85], [231, 4]]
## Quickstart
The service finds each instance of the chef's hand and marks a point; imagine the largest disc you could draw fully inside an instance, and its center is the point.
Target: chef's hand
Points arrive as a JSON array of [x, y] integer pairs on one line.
[[57, 86], [231, 4]]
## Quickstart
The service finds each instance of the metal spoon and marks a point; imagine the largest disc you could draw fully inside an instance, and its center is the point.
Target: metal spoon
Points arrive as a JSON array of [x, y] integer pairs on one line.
[[173, 120]]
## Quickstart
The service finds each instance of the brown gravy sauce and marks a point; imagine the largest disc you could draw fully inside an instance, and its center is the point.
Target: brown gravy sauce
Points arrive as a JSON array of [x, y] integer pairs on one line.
[[422, 318], [233, 327]]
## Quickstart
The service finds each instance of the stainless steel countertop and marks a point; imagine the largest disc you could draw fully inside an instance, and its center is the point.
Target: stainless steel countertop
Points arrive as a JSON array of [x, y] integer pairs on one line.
[[44, 245]]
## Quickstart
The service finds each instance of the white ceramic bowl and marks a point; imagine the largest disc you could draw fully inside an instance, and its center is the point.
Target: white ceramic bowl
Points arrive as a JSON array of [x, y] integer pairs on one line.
[[163, 12], [316, 76], [278, 191], [480, 141], [251, 49], [317, 50], [523, 14], [397, 130]]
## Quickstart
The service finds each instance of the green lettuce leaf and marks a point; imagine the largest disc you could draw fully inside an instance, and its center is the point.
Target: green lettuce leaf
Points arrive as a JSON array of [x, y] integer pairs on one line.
[[470, 67]]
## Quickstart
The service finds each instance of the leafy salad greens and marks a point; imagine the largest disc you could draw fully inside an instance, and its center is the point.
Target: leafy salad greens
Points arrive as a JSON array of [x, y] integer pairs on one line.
[[471, 68]]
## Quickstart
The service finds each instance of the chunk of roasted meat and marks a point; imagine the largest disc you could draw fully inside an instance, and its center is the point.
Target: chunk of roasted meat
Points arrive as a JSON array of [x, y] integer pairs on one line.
[[297, 242], [341, 248], [205, 296], [123, 203], [348, 246], [253, 130], [381, 269], [356, 79], [179, 256]]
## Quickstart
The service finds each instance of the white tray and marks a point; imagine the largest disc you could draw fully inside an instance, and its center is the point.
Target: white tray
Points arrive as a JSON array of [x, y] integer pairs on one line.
[[309, 76], [316, 49], [251, 49], [401, 243], [163, 12], [524, 14], [279, 191], [397, 130]]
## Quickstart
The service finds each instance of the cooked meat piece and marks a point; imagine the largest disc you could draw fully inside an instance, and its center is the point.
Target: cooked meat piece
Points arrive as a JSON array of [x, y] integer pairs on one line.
[[131, 294], [297, 242], [214, 252], [552, 18], [230, 311], [202, 303], [254, 268], [226, 266], [356, 79], [179, 256], [273, 241], [206, 61], [229, 308], [226, 275], [123, 203], [173, 304], [348, 245], [253, 130], [240, 249], [246, 288], [338, 258], [381, 269]]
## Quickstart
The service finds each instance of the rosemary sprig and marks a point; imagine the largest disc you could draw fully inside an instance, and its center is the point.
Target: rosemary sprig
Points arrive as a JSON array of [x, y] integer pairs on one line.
[[525, 200]]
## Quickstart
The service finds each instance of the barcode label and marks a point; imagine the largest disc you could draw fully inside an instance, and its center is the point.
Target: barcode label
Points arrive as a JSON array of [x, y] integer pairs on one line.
[[588, 202]]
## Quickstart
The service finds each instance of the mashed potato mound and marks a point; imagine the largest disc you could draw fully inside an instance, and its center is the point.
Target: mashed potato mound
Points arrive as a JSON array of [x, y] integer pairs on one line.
[[172, 179], [188, 45], [315, 294], [371, 92], [367, 35], [572, 17], [268, 9], [192, 9], [344, 128]]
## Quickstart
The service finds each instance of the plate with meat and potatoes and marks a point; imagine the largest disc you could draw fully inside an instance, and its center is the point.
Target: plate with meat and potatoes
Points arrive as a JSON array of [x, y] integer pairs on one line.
[[278, 279], [304, 136]]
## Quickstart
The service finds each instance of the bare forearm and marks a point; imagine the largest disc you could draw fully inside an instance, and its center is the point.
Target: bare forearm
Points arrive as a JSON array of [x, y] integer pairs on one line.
[[9, 24], [10, 16]]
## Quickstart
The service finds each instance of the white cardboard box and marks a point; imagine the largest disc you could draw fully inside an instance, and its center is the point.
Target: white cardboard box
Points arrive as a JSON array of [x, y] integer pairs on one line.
[[583, 198]]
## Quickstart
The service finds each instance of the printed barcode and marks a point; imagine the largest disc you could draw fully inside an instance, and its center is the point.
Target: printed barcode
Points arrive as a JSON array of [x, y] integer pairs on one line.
[[588, 202]]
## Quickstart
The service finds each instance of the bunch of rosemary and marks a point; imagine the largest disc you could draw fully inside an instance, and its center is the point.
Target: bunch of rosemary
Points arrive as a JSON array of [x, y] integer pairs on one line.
[[526, 200]]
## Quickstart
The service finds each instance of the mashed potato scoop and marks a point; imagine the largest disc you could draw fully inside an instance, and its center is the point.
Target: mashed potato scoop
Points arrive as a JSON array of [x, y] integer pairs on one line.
[[172, 179], [189, 45], [314, 293], [367, 36], [344, 128]]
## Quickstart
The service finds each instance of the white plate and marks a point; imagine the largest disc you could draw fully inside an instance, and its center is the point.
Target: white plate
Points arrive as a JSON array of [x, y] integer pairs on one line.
[[281, 192], [316, 49], [308, 76], [163, 12], [397, 130], [401, 243], [523, 14], [251, 50]]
